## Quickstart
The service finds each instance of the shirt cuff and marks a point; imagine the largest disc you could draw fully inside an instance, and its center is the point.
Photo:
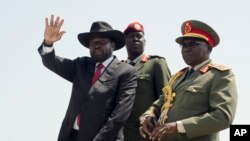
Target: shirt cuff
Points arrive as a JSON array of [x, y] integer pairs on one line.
[[46, 50], [180, 127]]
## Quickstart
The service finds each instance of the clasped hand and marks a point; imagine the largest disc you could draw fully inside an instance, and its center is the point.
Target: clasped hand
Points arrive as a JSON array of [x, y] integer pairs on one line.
[[154, 130]]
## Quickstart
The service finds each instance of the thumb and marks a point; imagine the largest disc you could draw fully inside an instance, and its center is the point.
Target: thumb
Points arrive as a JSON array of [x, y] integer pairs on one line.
[[142, 132], [61, 34]]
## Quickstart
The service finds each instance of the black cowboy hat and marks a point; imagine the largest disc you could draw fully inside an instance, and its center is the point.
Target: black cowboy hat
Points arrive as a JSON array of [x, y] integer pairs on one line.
[[101, 28]]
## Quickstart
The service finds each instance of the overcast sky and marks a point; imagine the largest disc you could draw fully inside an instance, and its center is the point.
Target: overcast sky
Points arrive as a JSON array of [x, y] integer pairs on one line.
[[33, 100]]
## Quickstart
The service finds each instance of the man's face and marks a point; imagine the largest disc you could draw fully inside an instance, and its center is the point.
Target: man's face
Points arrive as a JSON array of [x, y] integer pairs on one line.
[[101, 48], [195, 51], [135, 43]]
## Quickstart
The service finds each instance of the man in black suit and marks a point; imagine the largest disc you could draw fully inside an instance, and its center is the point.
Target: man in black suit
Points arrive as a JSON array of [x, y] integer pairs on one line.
[[103, 87]]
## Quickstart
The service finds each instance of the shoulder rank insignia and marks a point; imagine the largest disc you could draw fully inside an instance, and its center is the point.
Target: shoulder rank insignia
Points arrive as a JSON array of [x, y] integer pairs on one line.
[[144, 58], [204, 69]]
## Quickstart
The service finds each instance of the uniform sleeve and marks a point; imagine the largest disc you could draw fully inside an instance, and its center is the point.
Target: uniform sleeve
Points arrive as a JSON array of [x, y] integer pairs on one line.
[[61, 66], [161, 78], [162, 75], [155, 109], [222, 102]]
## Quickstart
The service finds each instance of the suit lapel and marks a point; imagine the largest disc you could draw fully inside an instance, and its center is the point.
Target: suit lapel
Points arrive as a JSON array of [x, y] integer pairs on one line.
[[87, 79], [180, 80], [108, 72], [190, 78]]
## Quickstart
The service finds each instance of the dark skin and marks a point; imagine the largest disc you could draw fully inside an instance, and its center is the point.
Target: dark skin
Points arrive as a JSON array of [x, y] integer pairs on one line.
[[194, 52], [154, 130], [135, 44], [101, 48]]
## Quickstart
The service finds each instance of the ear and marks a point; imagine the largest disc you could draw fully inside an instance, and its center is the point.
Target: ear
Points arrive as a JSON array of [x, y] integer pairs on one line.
[[113, 45], [210, 48]]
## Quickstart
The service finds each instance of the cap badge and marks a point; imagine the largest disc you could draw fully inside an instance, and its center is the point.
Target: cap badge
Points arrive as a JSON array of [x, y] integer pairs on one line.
[[137, 26], [188, 28]]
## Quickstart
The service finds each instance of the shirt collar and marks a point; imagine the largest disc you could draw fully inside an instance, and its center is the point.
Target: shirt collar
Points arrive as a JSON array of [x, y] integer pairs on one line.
[[106, 62], [201, 64], [135, 60]]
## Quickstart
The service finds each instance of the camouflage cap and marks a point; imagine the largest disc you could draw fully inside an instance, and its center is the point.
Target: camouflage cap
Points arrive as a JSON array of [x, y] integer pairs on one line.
[[198, 29]]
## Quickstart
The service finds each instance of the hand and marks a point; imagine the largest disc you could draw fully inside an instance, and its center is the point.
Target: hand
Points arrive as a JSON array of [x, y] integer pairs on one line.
[[147, 125], [52, 31], [162, 129]]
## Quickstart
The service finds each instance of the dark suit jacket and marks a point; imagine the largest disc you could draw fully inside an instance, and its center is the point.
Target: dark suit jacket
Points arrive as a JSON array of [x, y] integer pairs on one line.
[[103, 107]]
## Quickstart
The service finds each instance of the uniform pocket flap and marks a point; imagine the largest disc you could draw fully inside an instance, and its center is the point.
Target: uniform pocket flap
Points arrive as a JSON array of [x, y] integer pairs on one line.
[[196, 89], [144, 77]]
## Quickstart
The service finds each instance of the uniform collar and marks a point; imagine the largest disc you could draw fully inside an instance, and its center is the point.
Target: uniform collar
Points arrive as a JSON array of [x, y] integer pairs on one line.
[[135, 60], [200, 65]]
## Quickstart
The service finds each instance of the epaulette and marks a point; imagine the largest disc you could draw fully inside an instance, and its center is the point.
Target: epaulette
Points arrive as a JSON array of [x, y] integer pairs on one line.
[[155, 56], [144, 58], [219, 67]]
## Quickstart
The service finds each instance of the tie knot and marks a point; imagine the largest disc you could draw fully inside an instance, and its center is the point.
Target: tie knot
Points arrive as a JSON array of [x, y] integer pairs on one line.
[[190, 72], [99, 66]]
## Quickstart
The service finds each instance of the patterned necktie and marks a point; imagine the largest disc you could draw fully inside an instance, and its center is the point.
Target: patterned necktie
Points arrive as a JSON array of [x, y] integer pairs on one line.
[[96, 76]]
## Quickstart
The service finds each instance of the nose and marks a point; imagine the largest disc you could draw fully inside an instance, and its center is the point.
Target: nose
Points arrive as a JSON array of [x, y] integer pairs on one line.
[[97, 46], [135, 39]]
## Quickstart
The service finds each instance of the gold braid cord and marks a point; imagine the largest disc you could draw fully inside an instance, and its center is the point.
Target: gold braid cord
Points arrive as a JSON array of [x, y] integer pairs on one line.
[[168, 97]]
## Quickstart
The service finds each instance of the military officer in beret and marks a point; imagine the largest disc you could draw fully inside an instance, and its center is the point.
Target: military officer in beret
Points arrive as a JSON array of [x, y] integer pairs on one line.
[[153, 73], [199, 100]]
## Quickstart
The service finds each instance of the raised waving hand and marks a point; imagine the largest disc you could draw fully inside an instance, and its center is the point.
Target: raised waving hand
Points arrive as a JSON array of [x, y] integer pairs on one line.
[[52, 31]]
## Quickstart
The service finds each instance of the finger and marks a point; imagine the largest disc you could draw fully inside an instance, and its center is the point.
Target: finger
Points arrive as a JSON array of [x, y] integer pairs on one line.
[[46, 22], [148, 123], [145, 129], [155, 135], [171, 128], [161, 135], [142, 132], [156, 132], [57, 21], [61, 23], [51, 20]]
